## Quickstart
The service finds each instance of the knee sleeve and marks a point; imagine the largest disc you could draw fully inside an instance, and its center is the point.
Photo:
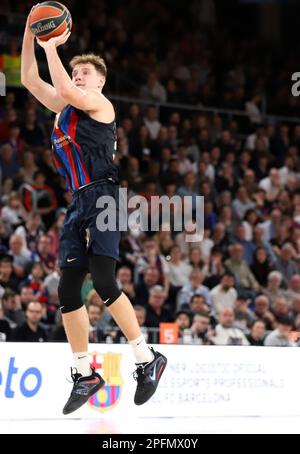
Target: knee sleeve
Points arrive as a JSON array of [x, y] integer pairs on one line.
[[103, 271], [69, 289]]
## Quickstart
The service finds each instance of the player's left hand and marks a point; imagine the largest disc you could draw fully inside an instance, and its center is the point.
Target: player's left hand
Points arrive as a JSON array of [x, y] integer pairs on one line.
[[56, 41]]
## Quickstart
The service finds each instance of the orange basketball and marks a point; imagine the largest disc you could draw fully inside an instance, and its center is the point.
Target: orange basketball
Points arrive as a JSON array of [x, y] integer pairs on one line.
[[49, 19]]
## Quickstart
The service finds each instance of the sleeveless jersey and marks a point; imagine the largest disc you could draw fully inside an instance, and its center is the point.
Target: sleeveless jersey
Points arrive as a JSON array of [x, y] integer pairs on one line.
[[83, 148]]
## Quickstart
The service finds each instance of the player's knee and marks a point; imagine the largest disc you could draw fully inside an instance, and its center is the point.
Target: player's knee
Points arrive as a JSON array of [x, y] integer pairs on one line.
[[69, 293], [108, 291]]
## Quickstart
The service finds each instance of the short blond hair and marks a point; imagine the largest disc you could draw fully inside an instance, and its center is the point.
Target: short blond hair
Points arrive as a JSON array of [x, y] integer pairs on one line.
[[95, 60]]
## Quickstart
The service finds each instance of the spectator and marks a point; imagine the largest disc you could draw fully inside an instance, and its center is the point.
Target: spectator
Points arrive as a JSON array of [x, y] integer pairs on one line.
[[201, 329], [286, 265], [242, 203], [179, 271], [244, 317], [94, 313], [22, 261], [184, 321], [224, 294], [8, 279], [262, 312], [194, 287], [156, 312], [151, 278], [273, 289], [243, 275], [31, 330], [257, 334], [280, 337], [5, 330], [124, 280], [261, 267], [225, 332]]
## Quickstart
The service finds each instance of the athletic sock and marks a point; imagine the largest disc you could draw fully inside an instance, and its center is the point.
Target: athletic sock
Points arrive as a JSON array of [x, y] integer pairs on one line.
[[81, 363], [141, 351]]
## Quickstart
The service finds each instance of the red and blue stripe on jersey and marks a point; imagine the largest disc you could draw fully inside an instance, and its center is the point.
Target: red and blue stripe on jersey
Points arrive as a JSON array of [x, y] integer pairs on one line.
[[67, 153]]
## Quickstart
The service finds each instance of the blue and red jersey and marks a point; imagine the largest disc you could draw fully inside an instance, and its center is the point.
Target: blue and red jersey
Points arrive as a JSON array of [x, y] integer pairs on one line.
[[83, 148]]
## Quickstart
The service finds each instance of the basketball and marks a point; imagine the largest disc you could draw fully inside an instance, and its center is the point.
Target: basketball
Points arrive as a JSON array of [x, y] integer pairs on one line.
[[50, 19]]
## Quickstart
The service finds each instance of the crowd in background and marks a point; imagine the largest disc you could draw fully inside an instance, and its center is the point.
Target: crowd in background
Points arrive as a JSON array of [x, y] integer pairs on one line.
[[240, 284]]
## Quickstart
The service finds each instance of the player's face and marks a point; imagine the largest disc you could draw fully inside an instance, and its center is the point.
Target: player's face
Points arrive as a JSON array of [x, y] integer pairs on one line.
[[84, 75]]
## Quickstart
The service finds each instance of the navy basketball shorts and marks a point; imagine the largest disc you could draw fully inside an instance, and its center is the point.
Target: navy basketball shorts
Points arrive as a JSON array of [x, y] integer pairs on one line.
[[80, 234]]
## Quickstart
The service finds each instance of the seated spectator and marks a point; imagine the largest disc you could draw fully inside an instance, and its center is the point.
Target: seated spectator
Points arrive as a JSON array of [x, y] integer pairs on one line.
[[240, 238], [13, 214], [280, 336], [156, 312], [22, 260], [140, 313], [26, 296], [179, 271], [272, 185], [51, 286], [55, 231], [244, 317], [286, 265], [151, 278], [242, 203], [226, 333], [31, 231], [281, 307], [105, 321], [5, 330], [11, 304], [184, 321], [293, 290], [216, 268], [196, 261], [273, 290], [30, 330], [8, 279], [257, 334], [41, 198], [224, 294], [262, 311], [201, 329], [194, 287], [261, 266], [152, 257], [35, 280], [44, 256], [125, 282], [95, 333], [245, 280]]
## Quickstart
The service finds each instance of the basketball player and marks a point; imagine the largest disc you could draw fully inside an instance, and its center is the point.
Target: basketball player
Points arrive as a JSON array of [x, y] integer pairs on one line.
[[84, 143]]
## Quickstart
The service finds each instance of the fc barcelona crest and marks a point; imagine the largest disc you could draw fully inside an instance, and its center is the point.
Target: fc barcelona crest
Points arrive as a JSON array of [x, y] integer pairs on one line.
[[108, 366]]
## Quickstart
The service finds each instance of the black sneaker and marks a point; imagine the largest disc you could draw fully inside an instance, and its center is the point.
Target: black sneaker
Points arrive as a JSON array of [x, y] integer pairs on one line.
[[83, 389], [148, 376]]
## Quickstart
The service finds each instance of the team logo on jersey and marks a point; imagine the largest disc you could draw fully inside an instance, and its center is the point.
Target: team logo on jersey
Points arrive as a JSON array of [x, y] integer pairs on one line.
[[108, 366]]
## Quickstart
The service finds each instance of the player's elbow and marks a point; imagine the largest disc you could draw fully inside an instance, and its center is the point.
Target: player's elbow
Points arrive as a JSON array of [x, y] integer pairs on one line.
[[65, 93]]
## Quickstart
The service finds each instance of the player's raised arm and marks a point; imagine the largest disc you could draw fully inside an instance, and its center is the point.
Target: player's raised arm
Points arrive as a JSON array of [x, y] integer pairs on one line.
[[30, 77], [78, 95]]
